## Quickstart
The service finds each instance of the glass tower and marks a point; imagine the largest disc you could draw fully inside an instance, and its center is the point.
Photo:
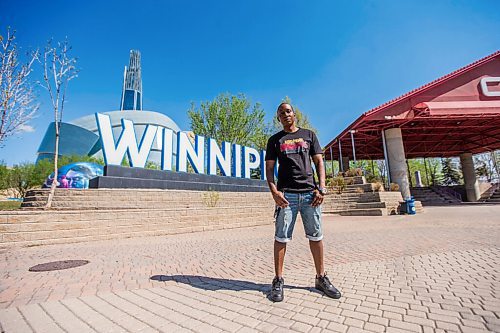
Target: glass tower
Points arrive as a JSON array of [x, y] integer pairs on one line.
[[132, 83]]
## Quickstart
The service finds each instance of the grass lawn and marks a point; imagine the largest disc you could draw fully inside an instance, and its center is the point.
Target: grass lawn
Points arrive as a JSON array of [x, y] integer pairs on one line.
[[10, 205]]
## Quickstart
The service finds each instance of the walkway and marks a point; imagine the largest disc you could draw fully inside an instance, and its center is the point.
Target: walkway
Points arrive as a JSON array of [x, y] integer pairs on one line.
[[434, 272]]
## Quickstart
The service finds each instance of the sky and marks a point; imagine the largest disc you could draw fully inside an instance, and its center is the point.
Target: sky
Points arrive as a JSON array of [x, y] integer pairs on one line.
[[334, 59]]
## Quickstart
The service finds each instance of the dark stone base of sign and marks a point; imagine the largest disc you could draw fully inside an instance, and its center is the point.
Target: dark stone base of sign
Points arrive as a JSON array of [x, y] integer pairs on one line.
[[126, 177]]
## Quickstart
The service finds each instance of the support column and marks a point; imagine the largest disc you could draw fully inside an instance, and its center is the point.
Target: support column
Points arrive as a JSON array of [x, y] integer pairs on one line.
[[470, 180], [418, 179], [345, 163], [331, 160], [397, 160]]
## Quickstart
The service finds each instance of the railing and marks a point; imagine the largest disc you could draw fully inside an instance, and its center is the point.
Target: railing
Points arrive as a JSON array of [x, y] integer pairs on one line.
[[490, 192], [447, 191]]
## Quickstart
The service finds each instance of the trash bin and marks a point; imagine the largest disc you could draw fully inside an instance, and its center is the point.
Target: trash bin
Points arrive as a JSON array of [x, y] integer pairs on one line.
[[410, 206], [402, 207]]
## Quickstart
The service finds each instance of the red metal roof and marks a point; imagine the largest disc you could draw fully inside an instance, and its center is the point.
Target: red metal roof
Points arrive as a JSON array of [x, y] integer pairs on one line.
[[443, 118]]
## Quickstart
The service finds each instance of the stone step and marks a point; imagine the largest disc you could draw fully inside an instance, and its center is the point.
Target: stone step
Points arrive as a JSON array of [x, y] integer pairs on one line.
[[191, 201], [358, 180], [437, 203], [362, 212], [431, 199], [366, 205], [365, 187]]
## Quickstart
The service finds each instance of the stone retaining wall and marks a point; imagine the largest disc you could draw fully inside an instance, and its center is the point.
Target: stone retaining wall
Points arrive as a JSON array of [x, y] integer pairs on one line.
[[104, 214], [49, 227], [142, 198], [97, 214]]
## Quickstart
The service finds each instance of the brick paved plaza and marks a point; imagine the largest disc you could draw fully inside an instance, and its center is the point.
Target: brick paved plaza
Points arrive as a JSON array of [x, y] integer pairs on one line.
[[433, 272]]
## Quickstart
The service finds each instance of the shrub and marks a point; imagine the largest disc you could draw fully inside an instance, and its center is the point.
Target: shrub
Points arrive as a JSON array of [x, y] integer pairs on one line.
[[354, 172], [328, 181], [373, 179], [394, 187], [10, 205], [152, 165], [349, 181], [211, 198], [378, 186], [360, 190], [339, 184]]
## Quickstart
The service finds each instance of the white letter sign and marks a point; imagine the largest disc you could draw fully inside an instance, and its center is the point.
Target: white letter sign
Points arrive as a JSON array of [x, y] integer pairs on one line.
[[484, 86], [127, 142], [195, 154], [251, 160]]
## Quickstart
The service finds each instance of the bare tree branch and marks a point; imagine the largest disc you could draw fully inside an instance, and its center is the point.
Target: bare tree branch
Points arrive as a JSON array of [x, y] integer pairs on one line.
[[17, 98]]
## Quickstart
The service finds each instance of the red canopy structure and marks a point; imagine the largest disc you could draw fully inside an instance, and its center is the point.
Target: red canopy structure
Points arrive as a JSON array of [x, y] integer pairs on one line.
[[457, 113]]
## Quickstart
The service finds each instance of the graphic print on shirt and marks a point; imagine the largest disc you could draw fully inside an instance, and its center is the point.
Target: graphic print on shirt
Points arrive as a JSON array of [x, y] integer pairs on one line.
[[294, 146]]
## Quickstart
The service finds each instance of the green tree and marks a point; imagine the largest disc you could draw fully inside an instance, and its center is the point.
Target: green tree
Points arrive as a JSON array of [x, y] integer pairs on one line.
[[330, 173], [487, 165], [229, 118], [451, 176], [4, 176], [21, 178], [433, 166], [27, 175], [302, 119], [418, 164]]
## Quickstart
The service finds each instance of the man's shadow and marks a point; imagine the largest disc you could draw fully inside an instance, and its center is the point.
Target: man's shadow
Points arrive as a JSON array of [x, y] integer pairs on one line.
[[209, 283]]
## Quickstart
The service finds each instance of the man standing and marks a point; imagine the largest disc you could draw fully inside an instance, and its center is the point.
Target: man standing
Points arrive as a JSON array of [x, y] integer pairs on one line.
[[296, 192]]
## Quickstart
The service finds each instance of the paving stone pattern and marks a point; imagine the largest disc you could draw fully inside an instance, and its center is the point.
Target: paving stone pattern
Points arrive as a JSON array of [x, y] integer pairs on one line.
[[433, 272]]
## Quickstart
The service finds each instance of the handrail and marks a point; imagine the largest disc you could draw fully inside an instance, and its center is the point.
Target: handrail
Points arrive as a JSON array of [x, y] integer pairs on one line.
[[447, 190]]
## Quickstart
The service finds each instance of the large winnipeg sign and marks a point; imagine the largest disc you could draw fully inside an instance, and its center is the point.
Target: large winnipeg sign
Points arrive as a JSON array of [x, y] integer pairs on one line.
[[204, 154]]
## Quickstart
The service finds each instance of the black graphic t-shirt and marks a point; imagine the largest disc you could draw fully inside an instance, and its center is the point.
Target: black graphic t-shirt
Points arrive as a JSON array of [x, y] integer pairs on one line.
[[293, 152]]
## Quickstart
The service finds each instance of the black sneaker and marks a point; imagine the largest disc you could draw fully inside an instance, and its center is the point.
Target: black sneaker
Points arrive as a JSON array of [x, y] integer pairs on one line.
[[324, 284], [277, 289]]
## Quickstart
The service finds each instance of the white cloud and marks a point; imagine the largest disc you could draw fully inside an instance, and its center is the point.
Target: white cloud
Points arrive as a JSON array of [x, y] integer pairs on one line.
[[26, 128]]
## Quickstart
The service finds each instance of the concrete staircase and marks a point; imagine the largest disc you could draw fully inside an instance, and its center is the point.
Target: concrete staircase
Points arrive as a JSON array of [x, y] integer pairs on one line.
[[494, 197], [352, 203], [364, 199], [429, 196]]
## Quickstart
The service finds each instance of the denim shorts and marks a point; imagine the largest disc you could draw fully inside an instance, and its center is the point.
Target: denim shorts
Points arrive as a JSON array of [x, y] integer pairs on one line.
[[286, 217]]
